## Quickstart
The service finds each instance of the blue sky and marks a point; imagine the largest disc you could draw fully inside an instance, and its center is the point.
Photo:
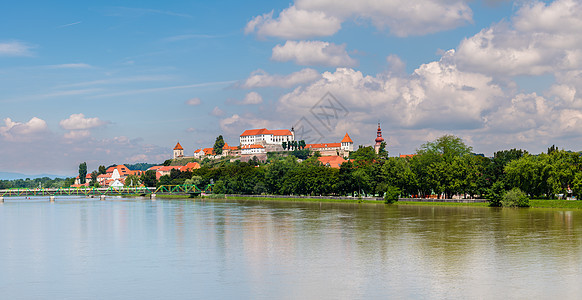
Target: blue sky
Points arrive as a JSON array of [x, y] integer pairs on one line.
[[123, 81]]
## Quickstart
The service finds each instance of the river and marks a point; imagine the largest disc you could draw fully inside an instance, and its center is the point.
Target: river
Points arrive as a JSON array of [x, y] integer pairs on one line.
[[78, 248]]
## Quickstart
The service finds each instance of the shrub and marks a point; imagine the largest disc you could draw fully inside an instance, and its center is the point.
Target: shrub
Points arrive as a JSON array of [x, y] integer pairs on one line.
[[515, 198], [495, 194], [391, 195]]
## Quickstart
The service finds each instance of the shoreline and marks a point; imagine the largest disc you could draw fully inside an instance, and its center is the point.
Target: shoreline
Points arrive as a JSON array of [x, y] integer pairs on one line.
[[534, 203]]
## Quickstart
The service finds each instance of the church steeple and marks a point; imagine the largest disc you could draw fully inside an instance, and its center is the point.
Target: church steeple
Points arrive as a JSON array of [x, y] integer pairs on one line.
[[379, 139]]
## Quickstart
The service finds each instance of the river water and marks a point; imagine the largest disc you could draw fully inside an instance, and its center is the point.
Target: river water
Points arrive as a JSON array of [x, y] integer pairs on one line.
[[79, 248]]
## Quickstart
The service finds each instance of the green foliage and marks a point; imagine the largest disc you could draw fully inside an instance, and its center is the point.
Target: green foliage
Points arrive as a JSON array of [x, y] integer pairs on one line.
[[391, 195], [301, 154], [382, 152], [148, 178], [363, 155], [515, 198], [94, 182], [167, 162], [102, 170], [218, 144], [132, 181], [83, 172], [495, 194], [44, 182], [139, 166]]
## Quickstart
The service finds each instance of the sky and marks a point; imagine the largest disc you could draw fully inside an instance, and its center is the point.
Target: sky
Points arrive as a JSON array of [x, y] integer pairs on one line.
[[112, 82]]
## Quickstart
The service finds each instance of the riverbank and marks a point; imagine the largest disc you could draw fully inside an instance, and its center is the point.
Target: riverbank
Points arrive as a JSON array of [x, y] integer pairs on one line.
[[534, 203]]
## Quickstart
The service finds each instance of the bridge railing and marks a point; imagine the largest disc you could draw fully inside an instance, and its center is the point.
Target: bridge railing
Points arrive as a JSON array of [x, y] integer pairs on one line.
[[87, 191]]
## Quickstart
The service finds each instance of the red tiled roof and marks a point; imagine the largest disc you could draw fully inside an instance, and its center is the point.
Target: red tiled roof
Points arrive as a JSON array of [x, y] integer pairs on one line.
[[227, 147], [255, 132], [178, 147], [252, 147], [278, 132], [190, 166], [347, 139], [333, 161], [407, 155], [208, 151], [197, 150], [328, 145]]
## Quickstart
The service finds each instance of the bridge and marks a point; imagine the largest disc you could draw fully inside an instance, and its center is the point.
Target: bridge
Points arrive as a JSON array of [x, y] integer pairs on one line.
[[187, 189]]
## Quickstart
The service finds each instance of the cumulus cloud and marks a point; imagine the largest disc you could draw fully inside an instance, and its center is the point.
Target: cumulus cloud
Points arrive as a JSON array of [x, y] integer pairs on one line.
[[79, 126], [15, 48], [541, 38], [217, 112], [313, 53], [232, 125], [260, 79], [79, 122], [316, 18], [294, 23], [252, 98], [194, 101], [18, 131]]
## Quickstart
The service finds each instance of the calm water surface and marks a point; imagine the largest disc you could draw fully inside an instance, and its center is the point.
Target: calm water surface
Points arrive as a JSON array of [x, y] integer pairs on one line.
[[80, 248]]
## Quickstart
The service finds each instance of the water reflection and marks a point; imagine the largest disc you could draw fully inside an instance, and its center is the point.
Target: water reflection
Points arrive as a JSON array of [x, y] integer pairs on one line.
[[182, 249]]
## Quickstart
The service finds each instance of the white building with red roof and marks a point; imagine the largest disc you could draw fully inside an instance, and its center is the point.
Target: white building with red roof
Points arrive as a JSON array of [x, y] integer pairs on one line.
[[178, 151], [342, 148], [265, 136], [252, 149]]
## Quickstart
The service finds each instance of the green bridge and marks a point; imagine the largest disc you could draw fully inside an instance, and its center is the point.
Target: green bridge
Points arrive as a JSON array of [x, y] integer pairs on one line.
[[109, 191]]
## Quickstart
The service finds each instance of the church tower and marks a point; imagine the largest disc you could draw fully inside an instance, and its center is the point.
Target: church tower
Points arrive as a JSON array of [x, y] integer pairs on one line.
[[379, 139], [178, 151]]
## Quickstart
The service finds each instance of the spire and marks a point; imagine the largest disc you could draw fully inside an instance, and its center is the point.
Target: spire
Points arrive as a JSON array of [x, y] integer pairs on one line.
[[379, 138], [178, 147], [347, 139]]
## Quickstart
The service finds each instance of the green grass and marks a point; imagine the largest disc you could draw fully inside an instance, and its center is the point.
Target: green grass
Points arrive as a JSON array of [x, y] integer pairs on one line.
[[440, 203], [556, 203]]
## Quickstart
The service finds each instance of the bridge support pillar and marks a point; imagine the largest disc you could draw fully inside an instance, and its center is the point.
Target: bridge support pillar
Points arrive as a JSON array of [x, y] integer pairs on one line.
[[52, 198], [102, 197], [1, 199], [153, 196]]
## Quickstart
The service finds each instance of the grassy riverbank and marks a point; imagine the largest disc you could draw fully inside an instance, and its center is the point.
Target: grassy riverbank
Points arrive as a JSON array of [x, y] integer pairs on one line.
[[537, 203]]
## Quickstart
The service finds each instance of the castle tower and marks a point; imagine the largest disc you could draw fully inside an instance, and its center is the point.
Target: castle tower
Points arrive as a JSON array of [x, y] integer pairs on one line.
[[379, 139], [347, 143], [178, 151]]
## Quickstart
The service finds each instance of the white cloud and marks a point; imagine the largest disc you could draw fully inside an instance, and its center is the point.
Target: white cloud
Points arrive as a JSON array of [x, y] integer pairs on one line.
[[317, 18], [252, 98], [77, 134], [17, 131], [15, 48], [294, 23], [194, 101], [79, 122], [217, 112], [313, 53], [235, 124], [71, 66], [260, 78], [541, 38]]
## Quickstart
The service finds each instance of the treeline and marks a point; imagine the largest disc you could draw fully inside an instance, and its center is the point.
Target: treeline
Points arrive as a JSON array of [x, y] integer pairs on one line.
[[44, 182], [441, 168]]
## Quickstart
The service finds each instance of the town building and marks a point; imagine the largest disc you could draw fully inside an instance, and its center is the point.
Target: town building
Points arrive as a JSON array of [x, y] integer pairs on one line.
[[166, 170], [266, 137], [342, 148], [332, 161], [178, 151], [252, 149]]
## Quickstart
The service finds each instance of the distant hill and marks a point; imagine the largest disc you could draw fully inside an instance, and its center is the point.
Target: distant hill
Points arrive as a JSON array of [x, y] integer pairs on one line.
[[139, 166], [12, 176]]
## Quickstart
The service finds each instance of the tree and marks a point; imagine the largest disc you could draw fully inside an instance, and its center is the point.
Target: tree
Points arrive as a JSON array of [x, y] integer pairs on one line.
[[515, 198], [284, 144], [94, 181], [218, 144], [83, 172], [132, 180], [383, 153], [302, 144], [391, 195], [102, 170], [149, 178]]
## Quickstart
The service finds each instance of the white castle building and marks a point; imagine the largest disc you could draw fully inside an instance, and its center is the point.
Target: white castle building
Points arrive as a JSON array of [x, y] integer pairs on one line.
[[266, 137]]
